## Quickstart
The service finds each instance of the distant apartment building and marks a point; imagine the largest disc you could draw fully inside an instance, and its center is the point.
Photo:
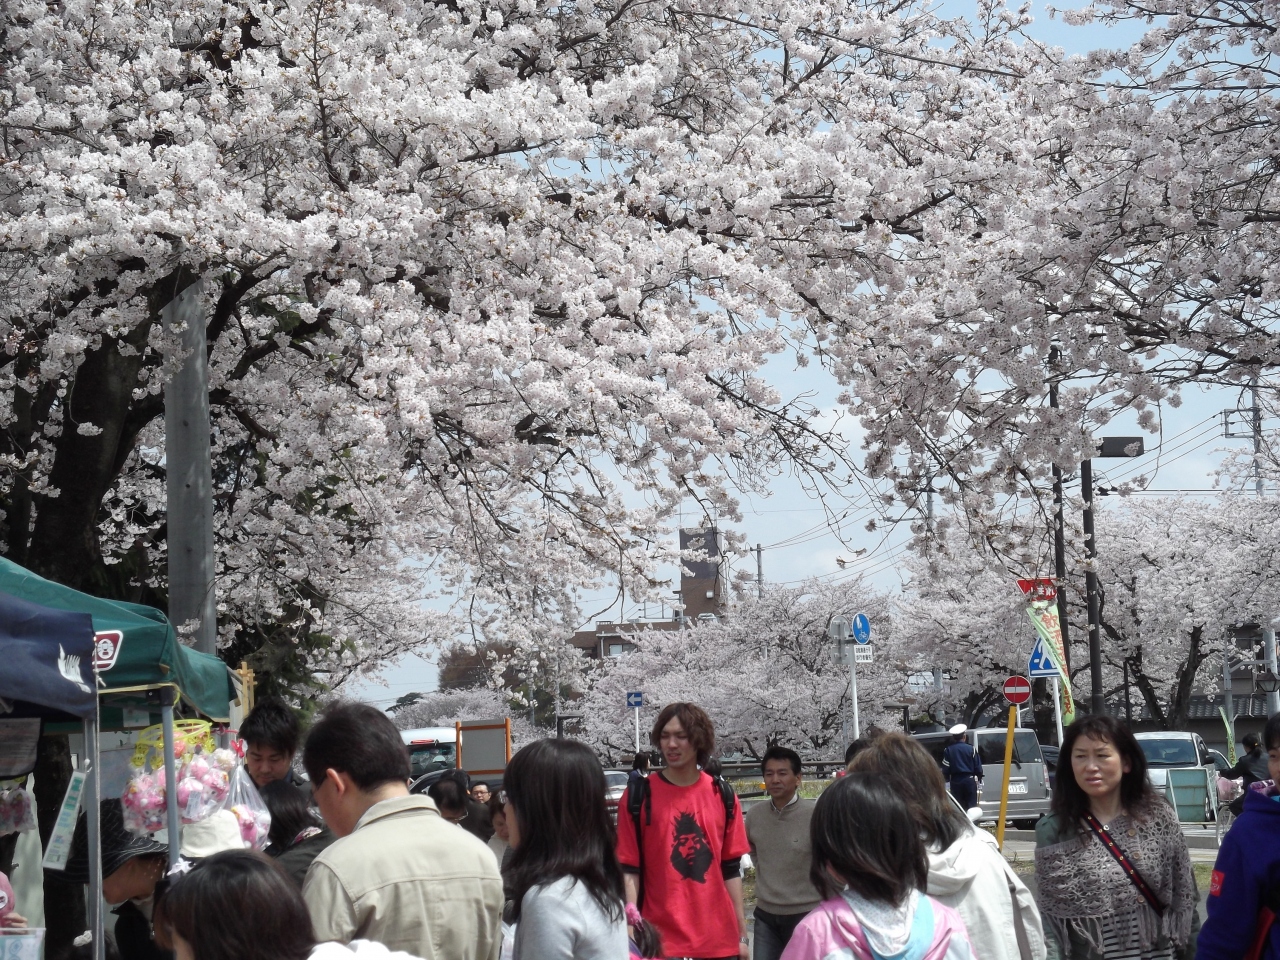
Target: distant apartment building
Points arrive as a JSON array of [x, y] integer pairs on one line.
[[703, 594]]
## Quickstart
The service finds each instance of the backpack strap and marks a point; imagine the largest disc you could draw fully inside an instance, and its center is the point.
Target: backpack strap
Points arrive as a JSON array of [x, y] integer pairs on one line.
[[639, 798], [727, 797]]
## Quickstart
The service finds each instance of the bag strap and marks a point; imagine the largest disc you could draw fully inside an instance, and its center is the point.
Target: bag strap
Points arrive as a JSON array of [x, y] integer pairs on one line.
[[638, 800], [727, 796], [1129, 869]]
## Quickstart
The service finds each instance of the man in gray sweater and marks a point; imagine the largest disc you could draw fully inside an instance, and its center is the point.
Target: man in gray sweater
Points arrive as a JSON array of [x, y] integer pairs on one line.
[[778, 832]]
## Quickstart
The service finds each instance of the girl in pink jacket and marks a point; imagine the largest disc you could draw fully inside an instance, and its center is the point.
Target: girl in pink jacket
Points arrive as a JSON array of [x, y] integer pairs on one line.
[[870, 865]]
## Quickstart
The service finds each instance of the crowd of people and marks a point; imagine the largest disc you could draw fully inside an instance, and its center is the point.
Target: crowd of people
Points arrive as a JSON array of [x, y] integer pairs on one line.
[[883, 865]]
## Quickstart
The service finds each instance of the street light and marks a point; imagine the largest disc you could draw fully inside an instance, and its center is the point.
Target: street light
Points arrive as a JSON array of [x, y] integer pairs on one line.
[[1268, 682], [1108, 447]]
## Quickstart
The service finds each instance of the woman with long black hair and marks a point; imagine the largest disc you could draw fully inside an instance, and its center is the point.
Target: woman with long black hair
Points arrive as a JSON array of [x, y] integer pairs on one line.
[[565, 882], [1111, 861]]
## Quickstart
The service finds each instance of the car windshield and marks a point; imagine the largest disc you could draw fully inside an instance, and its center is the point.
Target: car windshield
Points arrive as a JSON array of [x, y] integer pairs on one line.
[[1170, 753], [1026, 749], [614, 779], [425, 757]]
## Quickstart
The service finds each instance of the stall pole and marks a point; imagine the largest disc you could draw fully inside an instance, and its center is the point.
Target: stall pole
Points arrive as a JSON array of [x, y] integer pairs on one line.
[[170, 776], [93, 823]]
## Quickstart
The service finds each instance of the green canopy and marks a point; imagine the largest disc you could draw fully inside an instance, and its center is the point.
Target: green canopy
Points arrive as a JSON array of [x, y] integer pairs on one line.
[[137, 648]]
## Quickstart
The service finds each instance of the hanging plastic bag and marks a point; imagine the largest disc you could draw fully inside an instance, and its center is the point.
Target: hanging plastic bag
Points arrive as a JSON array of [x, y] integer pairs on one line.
[[203, 777], [249, 808], [17, 809]]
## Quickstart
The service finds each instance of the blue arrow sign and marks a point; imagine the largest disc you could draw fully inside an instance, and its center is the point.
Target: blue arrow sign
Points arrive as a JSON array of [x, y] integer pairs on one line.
[[861, 628], [635, 699], [1040, 665]]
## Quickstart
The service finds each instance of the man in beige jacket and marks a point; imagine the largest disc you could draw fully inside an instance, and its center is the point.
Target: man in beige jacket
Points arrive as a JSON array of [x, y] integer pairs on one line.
[[399, 873]]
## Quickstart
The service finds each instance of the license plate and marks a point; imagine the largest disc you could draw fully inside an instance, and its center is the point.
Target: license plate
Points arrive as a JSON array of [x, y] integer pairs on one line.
[[1017, 788]]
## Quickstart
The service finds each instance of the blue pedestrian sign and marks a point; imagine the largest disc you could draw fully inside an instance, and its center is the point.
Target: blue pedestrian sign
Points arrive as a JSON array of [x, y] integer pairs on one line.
[[1040, 665], [861, 628], [635, 699]]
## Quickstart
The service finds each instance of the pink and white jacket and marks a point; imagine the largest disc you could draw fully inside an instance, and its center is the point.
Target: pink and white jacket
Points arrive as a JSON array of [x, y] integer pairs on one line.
[[849, 927]]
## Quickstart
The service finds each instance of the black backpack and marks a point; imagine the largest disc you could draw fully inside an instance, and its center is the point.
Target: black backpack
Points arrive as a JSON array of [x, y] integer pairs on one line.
[[640, 798]]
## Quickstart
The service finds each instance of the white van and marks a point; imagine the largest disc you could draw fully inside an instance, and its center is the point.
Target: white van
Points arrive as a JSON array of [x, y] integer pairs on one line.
[[430, 748]]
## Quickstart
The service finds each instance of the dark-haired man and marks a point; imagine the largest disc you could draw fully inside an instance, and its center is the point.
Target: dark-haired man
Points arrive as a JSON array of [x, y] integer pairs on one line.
[[681, 842], [270, 734], [399, 873], [778, 832]]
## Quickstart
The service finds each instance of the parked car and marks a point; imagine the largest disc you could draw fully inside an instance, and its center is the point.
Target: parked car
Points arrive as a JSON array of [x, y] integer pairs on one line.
[[1167, 750], [615, 782], [1029, 792], [1220, 763], [1050, 754]]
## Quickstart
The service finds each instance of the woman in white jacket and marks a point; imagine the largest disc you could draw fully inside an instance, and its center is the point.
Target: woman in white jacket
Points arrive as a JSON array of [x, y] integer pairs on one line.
[[966, 870]]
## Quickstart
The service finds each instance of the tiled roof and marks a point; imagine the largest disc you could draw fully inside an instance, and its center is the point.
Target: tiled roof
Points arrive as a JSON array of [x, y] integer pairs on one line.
[[1202, 707]]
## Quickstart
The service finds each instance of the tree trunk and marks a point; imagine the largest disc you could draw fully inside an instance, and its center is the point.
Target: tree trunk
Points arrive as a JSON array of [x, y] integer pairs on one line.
[[64, 903], [64, 544]]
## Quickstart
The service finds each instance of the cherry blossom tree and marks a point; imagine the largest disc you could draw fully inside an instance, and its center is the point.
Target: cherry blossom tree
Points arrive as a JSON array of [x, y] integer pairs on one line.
[[488, 287], [442, 708], [1175, 574], [961, 613], [765, 673]]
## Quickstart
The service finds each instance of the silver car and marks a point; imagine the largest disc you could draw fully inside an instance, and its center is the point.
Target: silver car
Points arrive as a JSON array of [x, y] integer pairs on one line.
[[1029, 793]]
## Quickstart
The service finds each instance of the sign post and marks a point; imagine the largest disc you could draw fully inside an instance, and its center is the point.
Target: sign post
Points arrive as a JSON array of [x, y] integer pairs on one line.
[[635, 700], [1041, 665], [1017, 690]]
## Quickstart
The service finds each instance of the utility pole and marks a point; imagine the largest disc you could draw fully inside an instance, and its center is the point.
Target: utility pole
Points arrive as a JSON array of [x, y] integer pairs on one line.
[[759, 572], [928, 525], [1059, 541], [1097, 701], [189, 475], [1268, 633]]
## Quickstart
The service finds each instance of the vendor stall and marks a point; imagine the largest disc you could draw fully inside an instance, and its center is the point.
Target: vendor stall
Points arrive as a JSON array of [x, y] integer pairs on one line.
[[138, 663], [48, 678]]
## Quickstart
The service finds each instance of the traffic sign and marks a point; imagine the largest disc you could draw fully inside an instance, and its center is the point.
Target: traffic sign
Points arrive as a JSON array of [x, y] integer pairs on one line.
[[1040, 665], [1039, 588], [1017, 690], [862, 653], [861, 628], [635, 699]]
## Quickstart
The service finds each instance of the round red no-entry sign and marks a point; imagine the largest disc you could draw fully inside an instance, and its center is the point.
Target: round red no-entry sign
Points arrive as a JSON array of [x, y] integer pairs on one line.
[[1017, 689]]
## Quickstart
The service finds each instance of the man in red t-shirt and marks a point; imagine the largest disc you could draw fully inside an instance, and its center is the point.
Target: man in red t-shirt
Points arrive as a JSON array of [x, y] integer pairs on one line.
[[683, 871]]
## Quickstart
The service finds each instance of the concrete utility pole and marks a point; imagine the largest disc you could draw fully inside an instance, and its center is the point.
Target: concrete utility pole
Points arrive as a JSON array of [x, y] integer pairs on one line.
[[759, 572], [1059, 539], [189, 475], [1097, 701], [1268, 634]]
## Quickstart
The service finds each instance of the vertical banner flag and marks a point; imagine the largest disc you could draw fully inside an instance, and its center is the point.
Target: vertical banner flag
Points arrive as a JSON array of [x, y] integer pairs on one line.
[[1043, 611], [1231, 737]]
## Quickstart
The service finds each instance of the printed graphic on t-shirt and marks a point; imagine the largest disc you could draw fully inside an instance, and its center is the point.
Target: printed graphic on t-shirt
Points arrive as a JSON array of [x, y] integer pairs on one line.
[[690, 853]]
